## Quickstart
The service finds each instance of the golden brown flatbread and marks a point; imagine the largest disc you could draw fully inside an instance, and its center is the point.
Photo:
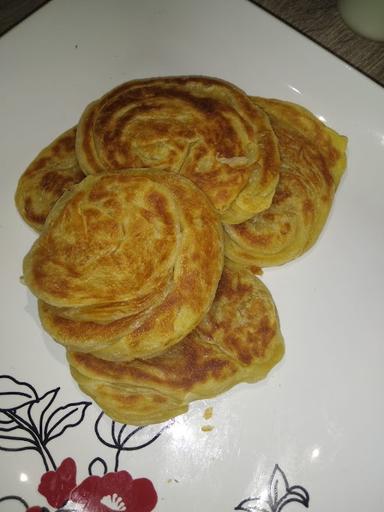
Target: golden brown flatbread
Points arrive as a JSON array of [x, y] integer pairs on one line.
[[312, 163], [141, 252], [52, 172], [203, 128], [239, 340]]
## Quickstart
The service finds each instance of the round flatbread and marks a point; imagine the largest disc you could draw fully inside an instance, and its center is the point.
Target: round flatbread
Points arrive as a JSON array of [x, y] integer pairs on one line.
[[54, 171], [203, 128], [312, 163], [239, 340], [140, 252]]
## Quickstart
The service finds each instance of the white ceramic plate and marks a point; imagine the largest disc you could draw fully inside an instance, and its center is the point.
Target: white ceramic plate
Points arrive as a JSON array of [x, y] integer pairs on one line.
[[310, 435]]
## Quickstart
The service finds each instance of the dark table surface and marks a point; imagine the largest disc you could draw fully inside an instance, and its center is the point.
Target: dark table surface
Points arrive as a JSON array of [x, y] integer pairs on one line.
[[317, 19], [320, 20]]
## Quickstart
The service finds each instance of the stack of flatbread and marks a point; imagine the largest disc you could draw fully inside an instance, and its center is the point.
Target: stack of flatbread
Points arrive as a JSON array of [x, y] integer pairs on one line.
[[155, 214]]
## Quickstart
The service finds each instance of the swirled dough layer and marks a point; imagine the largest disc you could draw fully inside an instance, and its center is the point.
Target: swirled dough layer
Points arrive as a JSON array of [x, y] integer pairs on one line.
[[52, 172], [312, 163], [127, 264], [239, 340], [203, 128]]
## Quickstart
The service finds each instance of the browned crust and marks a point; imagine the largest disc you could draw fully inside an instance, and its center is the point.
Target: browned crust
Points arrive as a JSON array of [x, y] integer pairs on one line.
[[312, 160], [204, 128], [238, 340], [54, 171], [182, 280]]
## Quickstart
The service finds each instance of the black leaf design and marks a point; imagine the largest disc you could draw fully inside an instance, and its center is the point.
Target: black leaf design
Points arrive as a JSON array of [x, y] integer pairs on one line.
[[123, 437], [9, 427], [64, 417], [278, 486], [4, 418], [279, 494], [24, 412], [121, 433], [140, 437], [7, 423], [38, 409], [105, 432], [15, 394], [115, 427], [11, 443], [254, 505], [295, 493], [97, 467]]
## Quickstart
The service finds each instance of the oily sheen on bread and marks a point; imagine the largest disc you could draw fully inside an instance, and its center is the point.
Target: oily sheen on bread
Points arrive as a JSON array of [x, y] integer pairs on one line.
[[239, 340], [140, 252], [203, 128], [52, 172], [312, 163]]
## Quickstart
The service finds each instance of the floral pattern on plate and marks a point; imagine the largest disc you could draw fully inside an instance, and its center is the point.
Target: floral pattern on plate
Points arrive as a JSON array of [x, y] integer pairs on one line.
[[29, 421]]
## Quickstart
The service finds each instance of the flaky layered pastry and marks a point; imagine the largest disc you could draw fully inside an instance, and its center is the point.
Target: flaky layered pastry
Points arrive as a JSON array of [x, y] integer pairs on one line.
[[312, 163], [203, 128], [52, 172], [239, 340], [127, 263]]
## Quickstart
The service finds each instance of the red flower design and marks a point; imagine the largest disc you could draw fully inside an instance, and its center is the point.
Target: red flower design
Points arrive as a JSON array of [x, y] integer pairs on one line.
[[57, 485], [34, 509], [114, 492]]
